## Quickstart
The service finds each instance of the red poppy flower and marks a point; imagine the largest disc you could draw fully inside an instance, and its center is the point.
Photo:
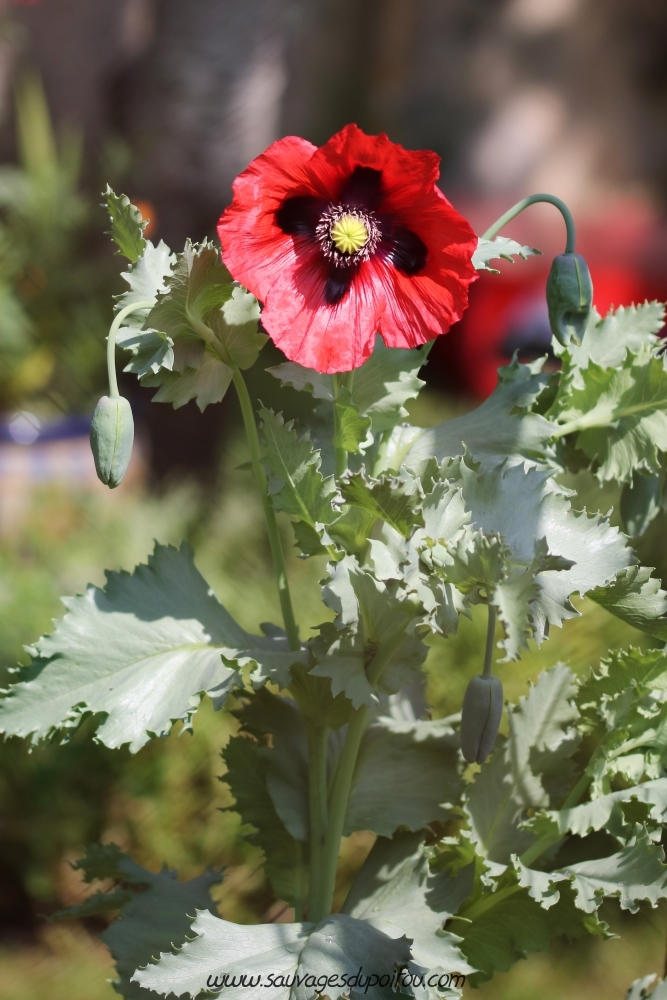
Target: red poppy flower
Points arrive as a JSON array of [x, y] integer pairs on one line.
[[344, 240]]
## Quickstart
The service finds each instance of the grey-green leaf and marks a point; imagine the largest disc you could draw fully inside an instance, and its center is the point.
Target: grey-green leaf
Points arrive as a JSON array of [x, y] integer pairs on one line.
[[127, 225], [157, 911], [397, 893], [500, 247], [298, 955], [296, 484], [166, 641]]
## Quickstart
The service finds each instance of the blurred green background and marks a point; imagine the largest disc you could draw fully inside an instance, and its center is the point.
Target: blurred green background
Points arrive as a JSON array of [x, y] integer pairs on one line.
[[168, 101]]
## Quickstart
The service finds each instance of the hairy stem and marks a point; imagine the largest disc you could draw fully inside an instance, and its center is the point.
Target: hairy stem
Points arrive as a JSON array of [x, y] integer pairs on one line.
[[490, 635], [318, 745], [111, 342], [269, 513], [338, 799], [550, 199]]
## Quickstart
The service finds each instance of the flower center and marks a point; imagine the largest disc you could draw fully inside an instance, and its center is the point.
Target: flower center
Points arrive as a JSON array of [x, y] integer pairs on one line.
[[349, 233]]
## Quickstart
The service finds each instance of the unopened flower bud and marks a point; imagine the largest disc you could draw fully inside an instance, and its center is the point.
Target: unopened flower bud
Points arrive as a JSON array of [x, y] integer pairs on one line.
[[569, 297], [480, 717], [111, 438]]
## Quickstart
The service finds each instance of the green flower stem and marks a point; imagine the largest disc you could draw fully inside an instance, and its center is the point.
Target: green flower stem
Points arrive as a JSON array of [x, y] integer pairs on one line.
[[299, 883], [338, 799], [271, 523], [318, 746], [550, 199], [111, 342], [490, 636], [340, 381], [342, 781]]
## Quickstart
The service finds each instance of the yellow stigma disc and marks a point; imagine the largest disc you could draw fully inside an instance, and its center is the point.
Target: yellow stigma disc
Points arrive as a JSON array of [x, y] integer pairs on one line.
[[349, 234]]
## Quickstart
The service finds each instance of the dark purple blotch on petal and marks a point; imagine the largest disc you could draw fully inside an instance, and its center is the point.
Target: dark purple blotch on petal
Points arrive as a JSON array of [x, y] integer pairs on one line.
[[299, 216], [337, 283], [362, 189]]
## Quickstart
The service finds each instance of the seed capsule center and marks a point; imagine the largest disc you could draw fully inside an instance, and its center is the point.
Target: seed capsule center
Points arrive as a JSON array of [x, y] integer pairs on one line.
[[349, 234]]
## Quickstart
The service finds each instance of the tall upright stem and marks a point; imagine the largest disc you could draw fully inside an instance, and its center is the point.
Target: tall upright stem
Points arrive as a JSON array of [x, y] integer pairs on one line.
[[534, 199], [269, 513], [490, 636], [318, 745], [111, 342], [340, 453], [338, 799]]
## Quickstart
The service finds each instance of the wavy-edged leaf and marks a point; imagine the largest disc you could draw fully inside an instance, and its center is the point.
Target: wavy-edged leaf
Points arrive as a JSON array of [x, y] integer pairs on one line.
[[247, 778], [495, 428], [296, 484], [523, 505], [396, 501], [351, 431], [206, 383], [637, 598], [607, 339], [641, 989], [406, 775], [619, 415], [150, 349], [368, 614], [157, 913], [500, 247], [235, 326], [385, 383], [397, 893], [127, 224], [298, 955], [166, 641], [211, 324], [596, 815], [381, 386], [517, 925], [541, 739], [542, 733], [636, 874]]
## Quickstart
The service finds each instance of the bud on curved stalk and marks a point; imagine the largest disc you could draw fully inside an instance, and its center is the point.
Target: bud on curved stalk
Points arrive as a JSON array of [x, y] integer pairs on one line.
[[112, 428], [111, 439], [569, 297], [480, 717]]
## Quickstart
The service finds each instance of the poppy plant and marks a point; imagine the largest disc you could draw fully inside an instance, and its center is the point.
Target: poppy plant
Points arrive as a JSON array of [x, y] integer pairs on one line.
[[344, 240]]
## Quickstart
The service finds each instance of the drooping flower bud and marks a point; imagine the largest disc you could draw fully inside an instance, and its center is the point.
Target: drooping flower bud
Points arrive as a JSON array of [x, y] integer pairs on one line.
[[480, 717], [569, 297], [111, 439]]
